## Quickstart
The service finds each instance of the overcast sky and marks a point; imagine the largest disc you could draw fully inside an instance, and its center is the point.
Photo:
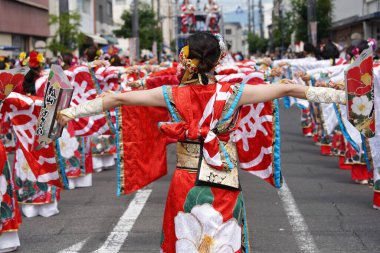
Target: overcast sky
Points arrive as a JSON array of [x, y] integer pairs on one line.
[[231, 5]]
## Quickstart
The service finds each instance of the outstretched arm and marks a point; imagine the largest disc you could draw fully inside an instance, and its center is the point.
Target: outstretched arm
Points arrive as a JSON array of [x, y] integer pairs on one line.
[[153, 97], [262, 93]]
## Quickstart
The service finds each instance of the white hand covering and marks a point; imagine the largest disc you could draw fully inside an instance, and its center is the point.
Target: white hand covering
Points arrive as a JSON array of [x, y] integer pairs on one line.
[[326, 95], [89, 108]]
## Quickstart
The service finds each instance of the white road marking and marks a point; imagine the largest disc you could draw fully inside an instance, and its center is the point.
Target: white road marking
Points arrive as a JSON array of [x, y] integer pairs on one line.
[[304, 239], [120, 232], [74, 248]]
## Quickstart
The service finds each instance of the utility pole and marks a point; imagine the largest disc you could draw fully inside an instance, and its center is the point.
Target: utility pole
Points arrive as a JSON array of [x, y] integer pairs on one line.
[[312, 21], [253, 17], [159, 46], [135, 28], [249, 17], [280, 26], [261, 18]]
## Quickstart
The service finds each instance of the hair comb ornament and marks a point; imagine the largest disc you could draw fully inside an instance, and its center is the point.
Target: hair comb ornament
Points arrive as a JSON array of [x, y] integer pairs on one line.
[[222, 46]]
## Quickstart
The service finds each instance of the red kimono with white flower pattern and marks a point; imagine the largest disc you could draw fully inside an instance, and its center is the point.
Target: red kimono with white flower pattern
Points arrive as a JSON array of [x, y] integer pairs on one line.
[[206, 218]]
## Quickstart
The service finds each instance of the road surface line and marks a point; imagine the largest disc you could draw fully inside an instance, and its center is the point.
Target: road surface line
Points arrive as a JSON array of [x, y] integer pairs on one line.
[[304, 239], [120, 232], [74, 248]]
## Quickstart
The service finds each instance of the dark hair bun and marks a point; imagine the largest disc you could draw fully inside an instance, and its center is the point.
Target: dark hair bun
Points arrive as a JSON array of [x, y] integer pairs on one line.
[[204, 46]]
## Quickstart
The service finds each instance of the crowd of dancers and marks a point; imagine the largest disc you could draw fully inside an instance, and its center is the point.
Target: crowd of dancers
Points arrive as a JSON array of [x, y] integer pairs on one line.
[[91, 144]]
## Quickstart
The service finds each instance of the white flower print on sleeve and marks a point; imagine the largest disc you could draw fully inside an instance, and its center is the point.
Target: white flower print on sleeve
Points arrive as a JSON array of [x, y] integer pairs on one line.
[[23, 170], [203, 231], [68, 144], [362, 105]]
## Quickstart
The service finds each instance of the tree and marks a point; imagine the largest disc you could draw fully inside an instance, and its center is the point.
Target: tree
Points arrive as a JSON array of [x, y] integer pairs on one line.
[[68, 36], [300, 19], [148, 29], [256, 44], [283, 27], [324, 18]]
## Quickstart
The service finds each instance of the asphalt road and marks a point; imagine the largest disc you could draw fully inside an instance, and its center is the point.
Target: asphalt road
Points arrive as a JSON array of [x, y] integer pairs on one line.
[[326, 212]]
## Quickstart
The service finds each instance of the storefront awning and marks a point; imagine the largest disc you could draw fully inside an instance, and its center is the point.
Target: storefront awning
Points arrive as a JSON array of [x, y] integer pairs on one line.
[[97, 39]]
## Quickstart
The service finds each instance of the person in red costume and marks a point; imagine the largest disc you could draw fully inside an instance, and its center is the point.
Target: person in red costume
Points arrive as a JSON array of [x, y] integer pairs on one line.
[[188, 21], [203, 215]]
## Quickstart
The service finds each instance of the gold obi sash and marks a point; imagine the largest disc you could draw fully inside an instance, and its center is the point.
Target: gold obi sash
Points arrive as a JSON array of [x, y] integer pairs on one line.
[[190, 158]]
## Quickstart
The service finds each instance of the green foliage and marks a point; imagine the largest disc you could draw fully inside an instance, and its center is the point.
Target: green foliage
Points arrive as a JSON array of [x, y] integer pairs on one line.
[[148, 29], [282, 29], [257, 44], [300, 19], [324, 18], [68, 36], [296, 21]]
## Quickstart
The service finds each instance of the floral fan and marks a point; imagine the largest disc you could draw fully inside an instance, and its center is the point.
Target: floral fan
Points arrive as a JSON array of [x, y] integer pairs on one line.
[[360, 96], [11, 80]]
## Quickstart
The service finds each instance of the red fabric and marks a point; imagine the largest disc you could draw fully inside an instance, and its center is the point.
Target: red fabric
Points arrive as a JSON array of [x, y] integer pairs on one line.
[[143, 147], [108, 78], [84, 90], [190, 102], [376, 199], [325, 150], [3, 157], [180, 188], [189, 128], [315, 138], [172, 71], [307, 131], [24, 112], [343, 165], [153, 82], [170, 140], [359, 172], [358, 86], [9, 202], [10, 82], [88, 162]]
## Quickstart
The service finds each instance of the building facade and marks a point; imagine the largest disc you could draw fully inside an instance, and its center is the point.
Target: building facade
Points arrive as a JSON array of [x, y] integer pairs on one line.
[[96, 18], [235, 37], [16, 17], [355, 19]]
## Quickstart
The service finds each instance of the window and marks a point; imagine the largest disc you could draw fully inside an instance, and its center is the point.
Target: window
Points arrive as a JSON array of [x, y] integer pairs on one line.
[[109, 9], [20, 41], [86, 6], [228, 31]]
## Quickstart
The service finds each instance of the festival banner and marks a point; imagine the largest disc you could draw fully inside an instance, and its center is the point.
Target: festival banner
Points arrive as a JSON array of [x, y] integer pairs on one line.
[[58, 95], [360, 97]]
